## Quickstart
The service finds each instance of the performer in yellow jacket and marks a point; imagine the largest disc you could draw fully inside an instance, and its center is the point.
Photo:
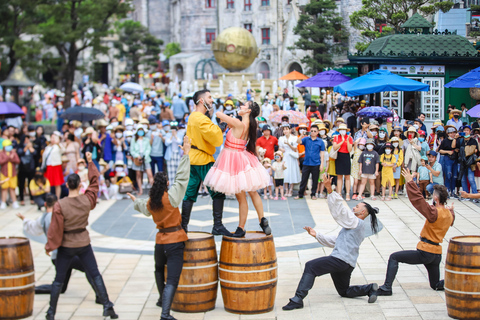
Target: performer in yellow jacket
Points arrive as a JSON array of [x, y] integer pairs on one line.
[[206, 136]]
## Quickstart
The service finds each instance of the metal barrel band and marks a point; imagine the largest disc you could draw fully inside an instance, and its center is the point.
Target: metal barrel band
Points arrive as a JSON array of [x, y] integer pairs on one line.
[[463, 272], [251, 271], [18, 288], [246, 282], [197, 285], [202, 267], [462, 292], [18, 276]]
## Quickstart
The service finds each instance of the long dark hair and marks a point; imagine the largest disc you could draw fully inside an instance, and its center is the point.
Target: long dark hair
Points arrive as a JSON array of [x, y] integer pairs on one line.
[[158, 188], [252, 129], [373, 216]]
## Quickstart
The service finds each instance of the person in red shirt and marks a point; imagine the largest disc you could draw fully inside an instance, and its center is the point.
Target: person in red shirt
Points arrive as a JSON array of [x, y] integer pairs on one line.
[[267, 141], [313, 111]]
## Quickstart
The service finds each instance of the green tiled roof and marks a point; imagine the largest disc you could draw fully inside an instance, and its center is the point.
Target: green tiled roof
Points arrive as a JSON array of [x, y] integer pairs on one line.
[[422, 43], [417, 21]]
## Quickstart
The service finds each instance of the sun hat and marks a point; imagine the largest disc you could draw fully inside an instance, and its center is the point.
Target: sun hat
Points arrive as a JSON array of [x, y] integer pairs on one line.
[[370, 141], [89, 130], [343, 126]]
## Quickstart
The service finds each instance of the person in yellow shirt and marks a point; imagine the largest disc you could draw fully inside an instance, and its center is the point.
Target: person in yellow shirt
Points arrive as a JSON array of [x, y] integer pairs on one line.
[[206, 136], [121, 112], [8, 162], [39, 187]]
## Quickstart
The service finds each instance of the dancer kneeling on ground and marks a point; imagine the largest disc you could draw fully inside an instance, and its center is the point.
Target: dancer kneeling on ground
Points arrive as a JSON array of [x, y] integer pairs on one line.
[[429, 252], [69, 235], [162, 205], [237, 169], [346, 244], [40, 227]]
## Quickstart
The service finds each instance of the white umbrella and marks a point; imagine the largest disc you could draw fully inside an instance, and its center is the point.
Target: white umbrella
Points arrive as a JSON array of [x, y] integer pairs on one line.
[[131, 87]]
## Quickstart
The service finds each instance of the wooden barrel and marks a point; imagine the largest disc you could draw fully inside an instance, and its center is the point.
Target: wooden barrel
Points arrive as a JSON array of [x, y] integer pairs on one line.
[[17, 278], [462, 277], [198, 285], [248, 273]]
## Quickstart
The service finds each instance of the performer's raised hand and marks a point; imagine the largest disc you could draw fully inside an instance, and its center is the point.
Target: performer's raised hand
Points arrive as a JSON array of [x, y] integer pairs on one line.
[[407, 175], [88, 155], [187, 144], [132, 196], [328, 182], [310, 231]]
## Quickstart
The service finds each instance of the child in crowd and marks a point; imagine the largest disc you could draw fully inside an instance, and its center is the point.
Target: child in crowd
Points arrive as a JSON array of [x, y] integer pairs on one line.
[[8, 161], [82, 172], [398, 153], [368, 170], [101, 179], [425, 176], [267, 163], [388, 162], [322, 133], [279, 172], [359, 147], [121, 183], [39, 187]]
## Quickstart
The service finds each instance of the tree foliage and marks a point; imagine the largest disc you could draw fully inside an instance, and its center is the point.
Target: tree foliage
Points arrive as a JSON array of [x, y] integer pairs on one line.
[[136, 44], [321, 34], [171, 49], [393, 13]]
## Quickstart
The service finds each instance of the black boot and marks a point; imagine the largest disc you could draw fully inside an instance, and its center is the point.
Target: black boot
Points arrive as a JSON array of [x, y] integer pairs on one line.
[[54, 294], [440, 285], [43, 289], [369, 290], [305, 284], [186, 211], [167, 299], [101, 290], [265, 227], [159, 279], [218, 227], [239, 233], [384, 291]]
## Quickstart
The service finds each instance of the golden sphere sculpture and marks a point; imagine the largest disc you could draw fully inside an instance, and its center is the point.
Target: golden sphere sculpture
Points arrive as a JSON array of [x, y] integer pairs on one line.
[[235, 49]]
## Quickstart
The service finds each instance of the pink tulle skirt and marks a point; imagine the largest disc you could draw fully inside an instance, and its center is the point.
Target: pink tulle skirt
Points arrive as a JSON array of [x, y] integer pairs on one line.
[[236, 171]]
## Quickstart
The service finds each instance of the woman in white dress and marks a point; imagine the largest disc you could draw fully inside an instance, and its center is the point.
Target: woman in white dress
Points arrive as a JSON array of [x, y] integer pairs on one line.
[[288, 145]]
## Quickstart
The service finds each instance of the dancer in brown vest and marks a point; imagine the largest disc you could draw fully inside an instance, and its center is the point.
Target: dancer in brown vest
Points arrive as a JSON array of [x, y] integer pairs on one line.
[[162, 205], [429, 252], [69, 235]]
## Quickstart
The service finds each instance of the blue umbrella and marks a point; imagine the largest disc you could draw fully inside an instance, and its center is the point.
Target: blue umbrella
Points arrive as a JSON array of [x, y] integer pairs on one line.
[[468, 80], [325, 79], [474, 112], [82, 114], [131, 87], [375, 112], [10, 110], [379, 81]]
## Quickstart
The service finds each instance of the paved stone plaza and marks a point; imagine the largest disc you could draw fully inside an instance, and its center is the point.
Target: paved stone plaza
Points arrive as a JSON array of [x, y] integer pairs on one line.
[[123, 241]]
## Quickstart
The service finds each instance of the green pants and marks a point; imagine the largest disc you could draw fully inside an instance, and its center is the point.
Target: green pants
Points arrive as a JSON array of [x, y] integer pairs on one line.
[[197, 175]]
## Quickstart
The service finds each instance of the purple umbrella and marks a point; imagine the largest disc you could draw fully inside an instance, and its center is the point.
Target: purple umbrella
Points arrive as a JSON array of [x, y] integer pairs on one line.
[[10, 110], [474, 112], [325, 79], [375, 112]]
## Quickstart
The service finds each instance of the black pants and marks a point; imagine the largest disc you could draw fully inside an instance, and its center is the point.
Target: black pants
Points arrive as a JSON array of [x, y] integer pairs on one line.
[[75, 264], [66, 256], [22, 176], [315, 171], [340, 271], [431, 261], [171, 255], [40, 200]]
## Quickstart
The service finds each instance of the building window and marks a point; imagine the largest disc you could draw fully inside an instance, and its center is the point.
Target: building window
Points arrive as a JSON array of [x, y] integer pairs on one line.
[[230, 4], [210, 35], [248, 5], [209, 3], [266, 36], [265, 3], [264, 69], [248, 26]]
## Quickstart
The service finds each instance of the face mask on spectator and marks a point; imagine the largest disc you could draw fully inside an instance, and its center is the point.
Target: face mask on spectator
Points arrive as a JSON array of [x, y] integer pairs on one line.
[[361, 147], [388, 151], [467, 136], [395, 144], [118, 135], [141, 133], [277, 158], [343, 132], [128, 139], [130, 127], [81, 168], [374, 133], [119, 169], [415, 126], [322, 132], [284, 123], [114, 124], [153, 127], [421, 139], [102, 168], [32, 134], [166, 128], [370, 147], [303, 131], [8, 148], [381, 134], [121, 174], [228, 107]]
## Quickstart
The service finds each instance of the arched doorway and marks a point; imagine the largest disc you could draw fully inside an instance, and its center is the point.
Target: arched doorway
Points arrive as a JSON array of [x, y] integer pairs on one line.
[[264, 69], [295, 67], [179, 71]]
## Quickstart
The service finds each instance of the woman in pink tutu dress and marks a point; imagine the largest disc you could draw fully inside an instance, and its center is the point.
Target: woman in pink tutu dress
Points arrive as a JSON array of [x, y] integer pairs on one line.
[[237, 169]]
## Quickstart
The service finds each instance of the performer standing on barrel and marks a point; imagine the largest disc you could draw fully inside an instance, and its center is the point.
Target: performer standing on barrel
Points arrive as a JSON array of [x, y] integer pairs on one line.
[[237, 169], [429, 252], [341, 262], [206, 136], [69, 235], [163, 205]]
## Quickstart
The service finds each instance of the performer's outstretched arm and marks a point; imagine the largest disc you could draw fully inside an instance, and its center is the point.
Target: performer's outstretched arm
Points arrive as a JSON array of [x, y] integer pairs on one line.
[[177, 191], [340, 212]]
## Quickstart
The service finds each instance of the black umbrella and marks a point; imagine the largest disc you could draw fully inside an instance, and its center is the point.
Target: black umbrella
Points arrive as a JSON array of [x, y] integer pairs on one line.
[[82, 114]]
